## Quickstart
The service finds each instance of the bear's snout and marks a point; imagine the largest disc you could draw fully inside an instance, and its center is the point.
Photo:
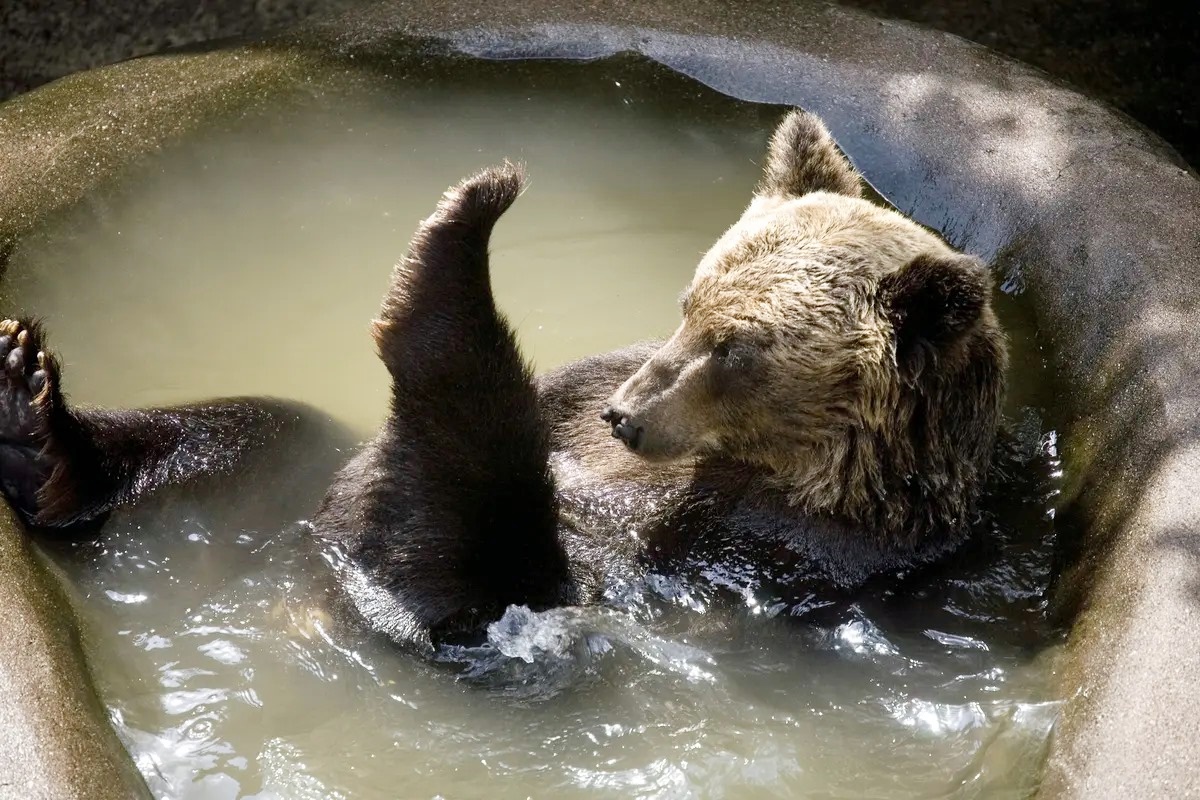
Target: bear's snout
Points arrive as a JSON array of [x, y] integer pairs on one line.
[[622, 428]]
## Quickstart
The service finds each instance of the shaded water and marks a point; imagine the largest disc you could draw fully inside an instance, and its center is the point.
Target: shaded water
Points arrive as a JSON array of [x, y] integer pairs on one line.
[[249, 261]]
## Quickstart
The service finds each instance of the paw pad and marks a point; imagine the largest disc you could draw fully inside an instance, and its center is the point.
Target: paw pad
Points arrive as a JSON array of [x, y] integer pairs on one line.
[[27, 382]]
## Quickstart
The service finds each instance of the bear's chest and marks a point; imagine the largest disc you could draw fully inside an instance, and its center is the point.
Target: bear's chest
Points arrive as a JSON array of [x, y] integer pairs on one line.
[[713, 525]]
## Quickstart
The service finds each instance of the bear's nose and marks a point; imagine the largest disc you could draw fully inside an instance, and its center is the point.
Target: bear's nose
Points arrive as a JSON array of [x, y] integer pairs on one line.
[[622, 428]]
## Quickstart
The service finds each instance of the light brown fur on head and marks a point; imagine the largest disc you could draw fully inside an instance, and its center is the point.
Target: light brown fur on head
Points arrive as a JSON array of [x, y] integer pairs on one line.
[[841, 348]]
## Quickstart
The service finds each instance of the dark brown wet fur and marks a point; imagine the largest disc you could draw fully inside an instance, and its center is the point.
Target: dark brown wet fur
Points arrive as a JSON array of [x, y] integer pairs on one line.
[[451, 509], [951, 358]]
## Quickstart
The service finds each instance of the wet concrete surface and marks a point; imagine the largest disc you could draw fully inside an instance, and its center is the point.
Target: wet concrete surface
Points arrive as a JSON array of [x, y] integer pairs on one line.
[[55, 741]]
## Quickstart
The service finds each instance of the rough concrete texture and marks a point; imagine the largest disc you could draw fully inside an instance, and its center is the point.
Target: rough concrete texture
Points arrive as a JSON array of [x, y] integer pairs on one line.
[[55, 741], [1095, 216], [41, 41], [1138, 55]]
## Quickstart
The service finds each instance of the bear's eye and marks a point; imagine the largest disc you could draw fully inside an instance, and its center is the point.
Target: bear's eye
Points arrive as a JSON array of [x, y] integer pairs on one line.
[[731, 367]]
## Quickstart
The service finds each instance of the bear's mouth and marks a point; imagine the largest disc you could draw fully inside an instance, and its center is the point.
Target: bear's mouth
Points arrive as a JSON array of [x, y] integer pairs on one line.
[[622, 428]]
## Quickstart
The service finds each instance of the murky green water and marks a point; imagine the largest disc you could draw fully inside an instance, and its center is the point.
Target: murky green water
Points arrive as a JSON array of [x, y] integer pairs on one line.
[[250, 260]]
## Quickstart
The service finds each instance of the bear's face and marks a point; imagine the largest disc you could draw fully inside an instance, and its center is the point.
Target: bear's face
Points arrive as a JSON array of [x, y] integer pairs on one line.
[[815, 331], [782, 339]]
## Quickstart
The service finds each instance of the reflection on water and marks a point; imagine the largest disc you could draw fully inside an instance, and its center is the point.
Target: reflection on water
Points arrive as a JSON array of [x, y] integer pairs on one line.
[[250, 260]]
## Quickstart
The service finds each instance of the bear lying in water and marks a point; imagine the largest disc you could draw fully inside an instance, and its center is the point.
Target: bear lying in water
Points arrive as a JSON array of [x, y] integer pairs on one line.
[[830, 401]]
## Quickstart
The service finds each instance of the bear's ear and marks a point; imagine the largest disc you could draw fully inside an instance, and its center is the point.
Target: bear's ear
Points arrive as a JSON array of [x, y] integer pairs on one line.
[[802, 158], [932, 301]]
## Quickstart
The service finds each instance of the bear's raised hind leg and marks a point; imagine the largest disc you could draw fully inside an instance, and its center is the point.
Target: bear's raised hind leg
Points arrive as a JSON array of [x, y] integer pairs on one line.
[[451, 510], [27, 383], [441, 290]]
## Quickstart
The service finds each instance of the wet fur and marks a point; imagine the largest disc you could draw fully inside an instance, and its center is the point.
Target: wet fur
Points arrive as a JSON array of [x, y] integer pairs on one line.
[[487, 487], [860, 365], [451, 509]]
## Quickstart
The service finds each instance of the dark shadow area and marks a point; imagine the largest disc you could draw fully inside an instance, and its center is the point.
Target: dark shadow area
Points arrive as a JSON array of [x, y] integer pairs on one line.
[[1188, 544], [41, 41], [1139, 55]]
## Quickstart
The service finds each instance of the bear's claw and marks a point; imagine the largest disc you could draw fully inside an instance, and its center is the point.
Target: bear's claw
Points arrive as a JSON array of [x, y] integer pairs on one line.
[[28, 384]]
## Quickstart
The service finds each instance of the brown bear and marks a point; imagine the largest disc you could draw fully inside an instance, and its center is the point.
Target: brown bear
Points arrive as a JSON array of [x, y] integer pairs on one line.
[[829, 402]]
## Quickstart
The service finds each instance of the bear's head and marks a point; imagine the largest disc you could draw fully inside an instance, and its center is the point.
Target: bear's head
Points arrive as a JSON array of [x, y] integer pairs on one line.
[[844, 351]]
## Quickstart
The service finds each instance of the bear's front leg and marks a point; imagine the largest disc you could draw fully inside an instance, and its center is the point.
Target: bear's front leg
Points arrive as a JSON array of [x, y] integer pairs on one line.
[[61, 465]]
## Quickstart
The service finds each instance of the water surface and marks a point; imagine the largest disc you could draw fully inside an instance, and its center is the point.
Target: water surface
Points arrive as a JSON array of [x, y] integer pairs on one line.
[[250, 259]]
